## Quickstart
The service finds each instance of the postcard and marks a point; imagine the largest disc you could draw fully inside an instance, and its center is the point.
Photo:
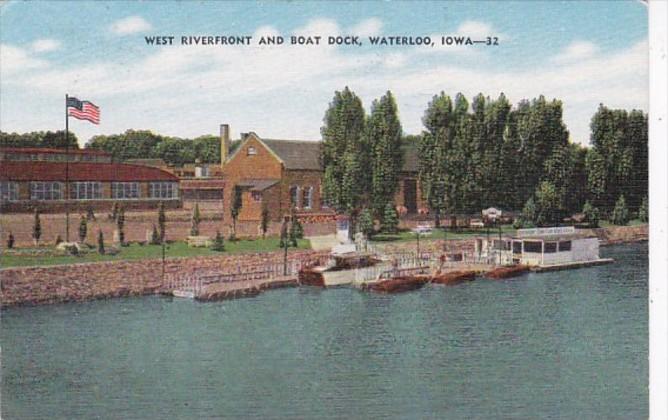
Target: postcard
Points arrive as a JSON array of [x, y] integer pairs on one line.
[[313, 210]]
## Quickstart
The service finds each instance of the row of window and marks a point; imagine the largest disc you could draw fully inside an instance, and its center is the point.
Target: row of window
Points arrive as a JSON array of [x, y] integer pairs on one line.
[[56, 157], [9, 190], [550, 247]]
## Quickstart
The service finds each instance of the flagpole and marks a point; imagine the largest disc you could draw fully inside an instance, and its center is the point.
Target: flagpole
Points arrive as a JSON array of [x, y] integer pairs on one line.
[[67, 174]]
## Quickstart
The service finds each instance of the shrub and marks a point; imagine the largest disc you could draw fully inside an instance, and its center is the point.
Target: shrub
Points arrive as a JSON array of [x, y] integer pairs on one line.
[[120, 224], [155, 236], [162, 220], [100, 242], [10, 241], [620, 214], [296, 230], [643, 211], [264, 222], [365, 224], [83, 229], [390, 219], [591, 214], [36, 228], [194, 222], [218, 243]]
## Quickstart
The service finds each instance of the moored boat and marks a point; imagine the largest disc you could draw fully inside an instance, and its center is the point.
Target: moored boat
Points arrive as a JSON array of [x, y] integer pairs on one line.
[[453, 277]]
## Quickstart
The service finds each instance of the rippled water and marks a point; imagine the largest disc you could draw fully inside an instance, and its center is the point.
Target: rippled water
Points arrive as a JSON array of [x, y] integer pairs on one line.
[[569, 344]]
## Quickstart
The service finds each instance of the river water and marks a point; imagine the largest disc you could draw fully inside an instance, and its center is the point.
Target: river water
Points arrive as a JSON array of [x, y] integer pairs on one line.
[[570, 344]]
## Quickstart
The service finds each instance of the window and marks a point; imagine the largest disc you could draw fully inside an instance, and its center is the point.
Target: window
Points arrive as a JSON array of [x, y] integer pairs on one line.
[[46, 190], [164, 190], [9, 191], [307, 196], [294, 196], [251, 151], [533, 246], [564, 246], [125, 190], [550, 247], [86, 191], [256, 195]]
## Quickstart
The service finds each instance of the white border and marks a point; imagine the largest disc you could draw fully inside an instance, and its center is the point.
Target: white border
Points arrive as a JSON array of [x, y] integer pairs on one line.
[[658, 185]]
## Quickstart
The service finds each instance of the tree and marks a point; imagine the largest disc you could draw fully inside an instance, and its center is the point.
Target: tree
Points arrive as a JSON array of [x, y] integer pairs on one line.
[[195, 220], [36, 228], [548, 208], [83, 229], [366, 223], [643, 212], [264, 221], [120, 225], [296, 229], [390, 219], [162, 221], [620, 214], [100, 242], [591, 215], [10, 241], [155, 236], [344, 154], [218, 243], [383, 135], [528, 216], [236, 208], [284, 240]]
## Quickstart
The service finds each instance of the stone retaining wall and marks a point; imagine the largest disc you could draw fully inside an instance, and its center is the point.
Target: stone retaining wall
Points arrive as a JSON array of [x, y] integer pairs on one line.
[[78, 282]]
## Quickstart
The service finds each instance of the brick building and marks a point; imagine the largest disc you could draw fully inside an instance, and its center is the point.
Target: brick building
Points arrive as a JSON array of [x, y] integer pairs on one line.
[[287, 173], [35, 178]]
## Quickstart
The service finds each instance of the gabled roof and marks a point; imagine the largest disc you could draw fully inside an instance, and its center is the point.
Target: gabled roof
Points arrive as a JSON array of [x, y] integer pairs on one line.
[[305, 154], [81, 171]]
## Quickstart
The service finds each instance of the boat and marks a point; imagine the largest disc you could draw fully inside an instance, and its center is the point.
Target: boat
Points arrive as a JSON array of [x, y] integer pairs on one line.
[[338, 271], [397, 284], [453, 277], [506, 272]]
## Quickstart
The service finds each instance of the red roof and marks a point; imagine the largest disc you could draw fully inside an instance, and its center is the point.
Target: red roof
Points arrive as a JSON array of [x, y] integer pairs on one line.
[[81, 171], [48, 150]]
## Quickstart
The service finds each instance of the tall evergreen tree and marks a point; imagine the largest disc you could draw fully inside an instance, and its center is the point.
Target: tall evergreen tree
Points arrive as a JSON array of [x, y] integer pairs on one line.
[[383, 134], [344, 154], [195, 220]]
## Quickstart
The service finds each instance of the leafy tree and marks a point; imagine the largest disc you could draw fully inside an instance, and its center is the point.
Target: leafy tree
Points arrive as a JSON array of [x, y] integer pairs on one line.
[[48, 139], [548, 206], [591, 215], [162, 221], [344, 154], [620, 214], [236, 208], [264, 221], [195, 220], [83, 229], [100, 242], [36, 227], [390, 219], [10, 241], [366, 223], [643, 212], [218, 243], [383, 133], [528, 217]]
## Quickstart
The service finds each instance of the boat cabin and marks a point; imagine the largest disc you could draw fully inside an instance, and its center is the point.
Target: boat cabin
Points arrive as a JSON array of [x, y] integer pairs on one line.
[[538, 247]]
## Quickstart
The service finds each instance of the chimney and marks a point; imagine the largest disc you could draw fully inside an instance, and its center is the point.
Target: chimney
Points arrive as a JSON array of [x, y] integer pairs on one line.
[[224, 143]]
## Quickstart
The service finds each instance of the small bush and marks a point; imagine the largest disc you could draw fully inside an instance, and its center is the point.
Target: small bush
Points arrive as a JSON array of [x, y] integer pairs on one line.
[[155, 236], [218, 243], [591, 215], [100, 242], [390, 219], [643, 211], [10, 241], [620, 214]]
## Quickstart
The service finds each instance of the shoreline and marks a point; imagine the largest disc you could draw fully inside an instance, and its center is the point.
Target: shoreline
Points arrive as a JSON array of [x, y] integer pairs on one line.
[[43, 285]]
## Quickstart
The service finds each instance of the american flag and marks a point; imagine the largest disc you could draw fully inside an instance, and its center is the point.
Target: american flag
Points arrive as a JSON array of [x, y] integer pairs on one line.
[[83, 110]]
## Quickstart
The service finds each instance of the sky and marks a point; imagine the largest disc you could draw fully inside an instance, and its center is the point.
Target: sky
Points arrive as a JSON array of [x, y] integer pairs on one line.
[[582, 53]]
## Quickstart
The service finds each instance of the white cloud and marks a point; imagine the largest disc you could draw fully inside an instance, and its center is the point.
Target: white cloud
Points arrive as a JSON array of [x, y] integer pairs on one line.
[[45, 45], [577, 50], [130, 25], [367, 27], [318, 27], [14, 59], [478, 30]]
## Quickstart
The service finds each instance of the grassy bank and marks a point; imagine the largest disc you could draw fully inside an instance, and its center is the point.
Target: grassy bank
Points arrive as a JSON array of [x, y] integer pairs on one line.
[[44, 256]]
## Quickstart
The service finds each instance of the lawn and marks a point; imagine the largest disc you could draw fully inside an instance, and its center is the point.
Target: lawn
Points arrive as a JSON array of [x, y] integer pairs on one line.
[[138, 252], [408, 235]]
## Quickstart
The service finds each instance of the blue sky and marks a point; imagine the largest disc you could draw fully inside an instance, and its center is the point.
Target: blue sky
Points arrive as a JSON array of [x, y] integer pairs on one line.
[[583, 53]]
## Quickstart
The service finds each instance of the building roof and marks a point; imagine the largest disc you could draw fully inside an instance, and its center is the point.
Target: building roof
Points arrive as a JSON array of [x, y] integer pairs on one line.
[[155, 162], [202, 184], [52, 151], [257, 184], [305, 154], [81, 171]]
